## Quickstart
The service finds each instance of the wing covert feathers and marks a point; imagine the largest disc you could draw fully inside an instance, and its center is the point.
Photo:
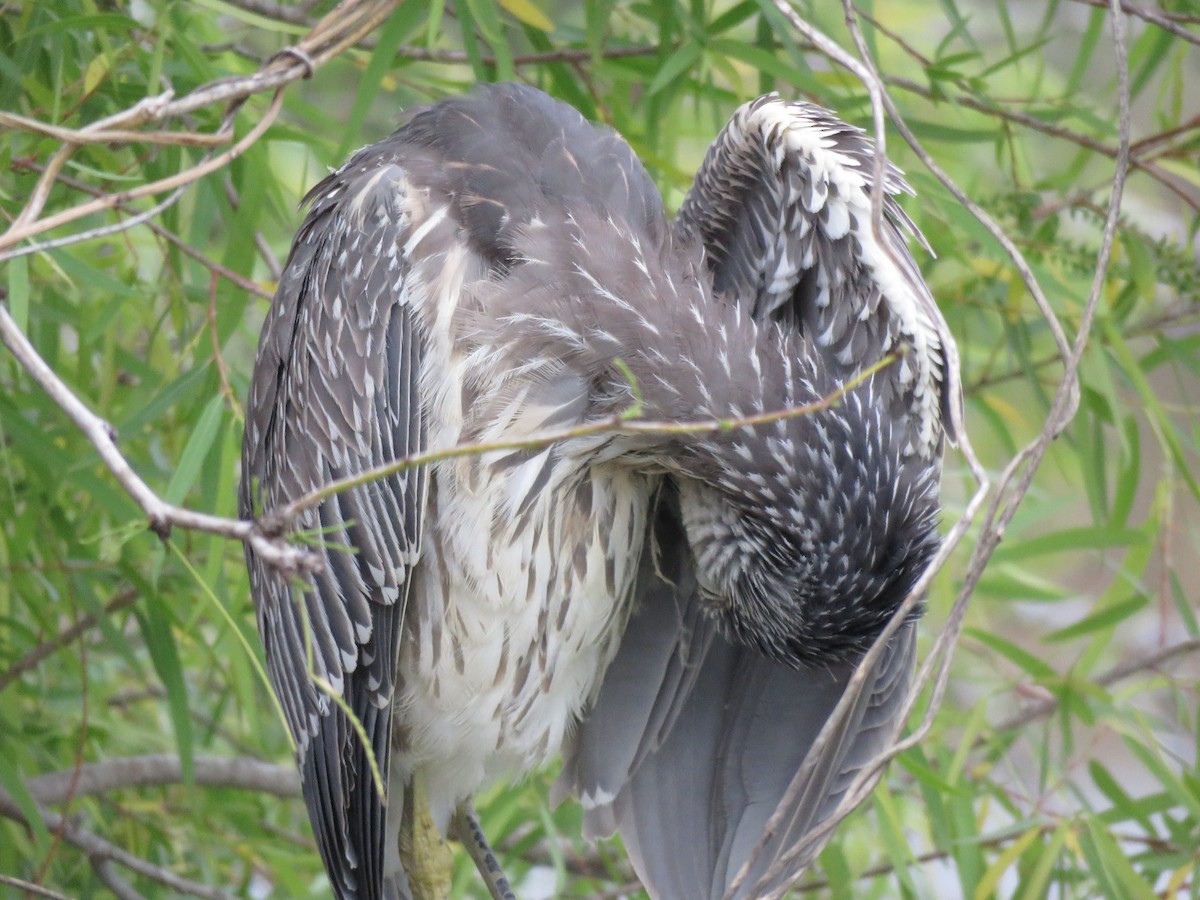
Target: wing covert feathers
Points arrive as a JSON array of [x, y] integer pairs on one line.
[[334, 392]]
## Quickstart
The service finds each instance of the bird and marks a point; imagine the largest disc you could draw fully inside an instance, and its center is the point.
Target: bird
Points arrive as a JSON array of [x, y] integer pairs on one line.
[[676, 611]]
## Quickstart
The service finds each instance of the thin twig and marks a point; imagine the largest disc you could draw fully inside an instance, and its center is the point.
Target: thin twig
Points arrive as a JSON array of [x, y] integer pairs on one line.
[[1011, 487], [870, 773], [187, 249], [108, 876], [341, 28], [1154, 17], [1119, 672], [1083, 140], [91, 135], [16, 234], [28, 887], [98, 848], [34, 657], [292, 15], [277, 520], [266, 535]]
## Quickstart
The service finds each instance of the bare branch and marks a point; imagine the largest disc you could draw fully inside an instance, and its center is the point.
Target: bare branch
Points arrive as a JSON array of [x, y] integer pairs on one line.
[[108, 876], [91, 135], [97, 848], [1164, 178], [1063, 409], [1173, 24], [157, 770], [28, 887], [162, 516], [20, 232], [1119, 672], [341, 28], [187, 249]]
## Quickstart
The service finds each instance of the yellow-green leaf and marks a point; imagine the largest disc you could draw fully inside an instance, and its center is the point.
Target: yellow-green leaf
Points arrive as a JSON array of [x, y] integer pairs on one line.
[[96, 72], [525, 11]]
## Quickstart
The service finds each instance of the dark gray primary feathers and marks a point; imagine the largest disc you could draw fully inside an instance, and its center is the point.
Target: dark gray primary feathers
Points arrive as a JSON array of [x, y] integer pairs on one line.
[[773, 555]]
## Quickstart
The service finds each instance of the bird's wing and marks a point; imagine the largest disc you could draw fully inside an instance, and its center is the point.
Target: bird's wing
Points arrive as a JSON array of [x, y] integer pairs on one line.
[[695, 743], [723, 769], [335, 392], [782, 205]]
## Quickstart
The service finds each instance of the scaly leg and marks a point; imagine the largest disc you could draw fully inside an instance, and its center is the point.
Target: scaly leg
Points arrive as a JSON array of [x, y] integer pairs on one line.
[[467, 831]]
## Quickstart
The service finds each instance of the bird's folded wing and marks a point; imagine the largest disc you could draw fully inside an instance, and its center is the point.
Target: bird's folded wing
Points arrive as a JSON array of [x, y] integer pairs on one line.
[[334, 393], [695, 744]]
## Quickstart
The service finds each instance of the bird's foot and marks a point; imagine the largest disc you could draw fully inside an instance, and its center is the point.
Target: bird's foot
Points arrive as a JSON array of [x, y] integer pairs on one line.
[[424, 853], [467, 830]]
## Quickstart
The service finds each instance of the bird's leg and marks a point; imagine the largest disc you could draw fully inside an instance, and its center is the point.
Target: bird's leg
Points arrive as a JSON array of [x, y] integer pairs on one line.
[[467, 831], [424, 853]]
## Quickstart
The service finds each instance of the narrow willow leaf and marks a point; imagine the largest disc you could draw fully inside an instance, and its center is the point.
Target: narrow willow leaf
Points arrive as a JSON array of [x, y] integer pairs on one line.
[[986, 888], [1129, 884], [528, 12], [200, 441], [164, 652], [1107, 618], [677, 63], [1023, 658]]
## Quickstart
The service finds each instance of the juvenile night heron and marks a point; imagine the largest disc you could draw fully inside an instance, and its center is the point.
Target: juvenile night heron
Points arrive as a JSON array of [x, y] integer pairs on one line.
[[676, 613]]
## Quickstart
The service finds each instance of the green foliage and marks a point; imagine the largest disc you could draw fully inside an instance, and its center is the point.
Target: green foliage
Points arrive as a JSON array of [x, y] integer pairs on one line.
[[1063, 761]]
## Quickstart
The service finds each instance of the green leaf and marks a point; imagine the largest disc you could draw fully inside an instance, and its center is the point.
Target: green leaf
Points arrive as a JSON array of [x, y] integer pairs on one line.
[[400, 25], [156, 626], [1115, 862], [1025, 660], [528, 12], [677, 63], [1003, 862], [1070, 539], [1036, 883], [891, 831], [200, 441], [1109, 617], [12, 780]]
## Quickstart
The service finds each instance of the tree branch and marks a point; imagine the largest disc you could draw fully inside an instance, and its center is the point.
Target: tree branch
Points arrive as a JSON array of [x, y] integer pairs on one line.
[[34, 657], [157, 770], [1119, 672], [98, 849], [162, 516], [1154, 17], [29, 888], [341, 28]]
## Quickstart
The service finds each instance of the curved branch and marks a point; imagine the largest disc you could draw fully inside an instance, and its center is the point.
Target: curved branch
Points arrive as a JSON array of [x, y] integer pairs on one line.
[[344, 26], [22, 231]]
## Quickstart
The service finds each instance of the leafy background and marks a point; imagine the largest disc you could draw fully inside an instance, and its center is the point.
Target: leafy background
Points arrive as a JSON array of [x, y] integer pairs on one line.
[[1063, 760]]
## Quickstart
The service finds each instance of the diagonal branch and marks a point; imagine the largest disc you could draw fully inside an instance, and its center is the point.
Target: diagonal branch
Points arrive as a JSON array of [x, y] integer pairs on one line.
[[34, 657], [344, 26], [101, 852], [267, 535], [162, 516]]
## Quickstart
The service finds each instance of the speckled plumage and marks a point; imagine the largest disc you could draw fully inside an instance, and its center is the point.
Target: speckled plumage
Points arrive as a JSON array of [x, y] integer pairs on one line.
[[499, 267]]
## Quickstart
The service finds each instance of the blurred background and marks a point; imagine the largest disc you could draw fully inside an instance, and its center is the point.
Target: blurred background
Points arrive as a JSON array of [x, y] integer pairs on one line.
[[1062, 761]]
